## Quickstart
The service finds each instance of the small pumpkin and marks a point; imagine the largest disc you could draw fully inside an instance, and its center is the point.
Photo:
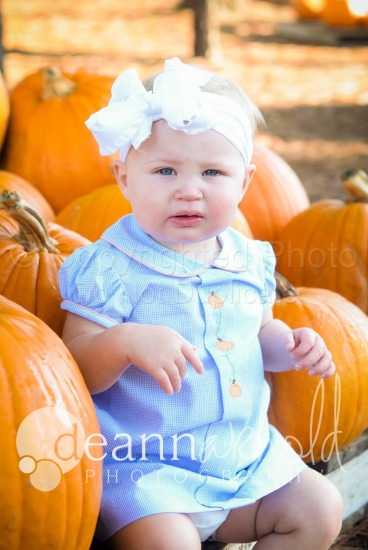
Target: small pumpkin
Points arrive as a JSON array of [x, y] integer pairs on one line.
[[320, 417], [275, 194], [215, 301], [224, 345], [326, 244], [47, 141], [235, 390], [308, 9], [31, 253], [12, 182], [39, 378]]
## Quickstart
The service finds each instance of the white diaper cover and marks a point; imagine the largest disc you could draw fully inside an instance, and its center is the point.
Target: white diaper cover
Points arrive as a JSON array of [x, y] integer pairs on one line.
[[207, 522]]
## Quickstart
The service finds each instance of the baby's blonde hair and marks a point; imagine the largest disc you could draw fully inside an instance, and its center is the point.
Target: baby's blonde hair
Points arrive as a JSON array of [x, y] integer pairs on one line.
[[224, 86]]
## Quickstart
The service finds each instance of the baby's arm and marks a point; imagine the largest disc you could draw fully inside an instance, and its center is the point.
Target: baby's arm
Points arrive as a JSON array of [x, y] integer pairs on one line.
[[285, 349], [103, 354]]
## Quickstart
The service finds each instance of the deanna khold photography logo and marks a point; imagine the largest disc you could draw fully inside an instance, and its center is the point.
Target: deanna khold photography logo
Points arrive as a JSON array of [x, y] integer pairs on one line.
[[51, 441]]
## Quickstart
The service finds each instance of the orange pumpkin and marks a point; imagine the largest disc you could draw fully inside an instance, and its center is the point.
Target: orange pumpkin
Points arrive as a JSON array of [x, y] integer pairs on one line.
[[308, 9], [344, 13], [224, 345], [241, 224], [274, 196], [215, 301], [48, 143], [320, 417], [93, 213], [326, 245], [4, 109], [235, 390], [12, 182], [49, 494], [31, 254]]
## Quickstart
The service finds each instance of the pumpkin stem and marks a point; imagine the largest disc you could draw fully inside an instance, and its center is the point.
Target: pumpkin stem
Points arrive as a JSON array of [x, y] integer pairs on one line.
[[56, 84], [33, 234], [355, 182], [284, 289]]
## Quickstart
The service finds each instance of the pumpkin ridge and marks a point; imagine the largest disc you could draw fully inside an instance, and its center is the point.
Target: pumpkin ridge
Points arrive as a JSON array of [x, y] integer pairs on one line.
[[338, 219], [321, 228], [336, 312], [17, 285], [312, 238], [16, 494], [349, 215], [352, 353], [6, 260], [360, 231], [47, 271]]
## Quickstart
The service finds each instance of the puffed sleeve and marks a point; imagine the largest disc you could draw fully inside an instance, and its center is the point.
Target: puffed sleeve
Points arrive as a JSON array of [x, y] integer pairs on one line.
[[91, 286], [269, 282]]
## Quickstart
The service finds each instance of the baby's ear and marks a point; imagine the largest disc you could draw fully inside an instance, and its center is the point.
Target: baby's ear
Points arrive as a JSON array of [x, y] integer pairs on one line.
[[119, 171], [249, 173]]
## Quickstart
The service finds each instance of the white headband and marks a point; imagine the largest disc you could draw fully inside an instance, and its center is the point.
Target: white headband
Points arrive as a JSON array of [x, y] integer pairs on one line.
[[176, 98]]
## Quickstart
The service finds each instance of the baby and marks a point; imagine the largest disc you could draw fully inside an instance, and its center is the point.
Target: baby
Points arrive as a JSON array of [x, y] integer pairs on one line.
[[170, 320]]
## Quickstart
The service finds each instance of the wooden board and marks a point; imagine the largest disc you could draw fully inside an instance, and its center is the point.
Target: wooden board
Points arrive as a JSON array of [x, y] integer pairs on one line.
[[352, 481], [310, 32]]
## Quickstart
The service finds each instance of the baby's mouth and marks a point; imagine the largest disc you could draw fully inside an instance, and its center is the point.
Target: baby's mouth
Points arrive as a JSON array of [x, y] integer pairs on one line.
[[187, 218]]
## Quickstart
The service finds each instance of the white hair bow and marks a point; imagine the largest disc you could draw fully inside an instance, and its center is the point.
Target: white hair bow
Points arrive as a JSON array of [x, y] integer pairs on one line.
[[177, 98]]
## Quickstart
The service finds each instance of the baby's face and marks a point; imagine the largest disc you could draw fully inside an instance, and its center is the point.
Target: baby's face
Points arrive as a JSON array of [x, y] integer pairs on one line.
[[183, 188]]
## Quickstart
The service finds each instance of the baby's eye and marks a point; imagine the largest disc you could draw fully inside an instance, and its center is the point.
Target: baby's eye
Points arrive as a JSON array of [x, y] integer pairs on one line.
[[166, 171], [211, 172]]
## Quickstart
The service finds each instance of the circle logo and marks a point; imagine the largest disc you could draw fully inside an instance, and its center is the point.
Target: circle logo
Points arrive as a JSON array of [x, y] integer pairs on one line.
[[50, 442]]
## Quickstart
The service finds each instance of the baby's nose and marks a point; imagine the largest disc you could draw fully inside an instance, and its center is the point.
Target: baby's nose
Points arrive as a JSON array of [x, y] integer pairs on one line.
[[189, 189]]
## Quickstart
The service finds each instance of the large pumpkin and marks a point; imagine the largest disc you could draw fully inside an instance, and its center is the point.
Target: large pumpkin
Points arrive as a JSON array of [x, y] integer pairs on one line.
[[31, 253], [50, 488], [12, 182], [4, 109], [48, 143], [274, 196], [326, 245], [320, 417], [91, 214]]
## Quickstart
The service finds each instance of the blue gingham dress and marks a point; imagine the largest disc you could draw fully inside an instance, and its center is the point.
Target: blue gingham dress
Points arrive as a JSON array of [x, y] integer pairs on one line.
[[210, 446]]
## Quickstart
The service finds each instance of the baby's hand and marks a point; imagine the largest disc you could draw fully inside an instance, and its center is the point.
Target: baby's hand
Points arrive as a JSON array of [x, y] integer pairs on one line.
[[162, 353], [307, 350]]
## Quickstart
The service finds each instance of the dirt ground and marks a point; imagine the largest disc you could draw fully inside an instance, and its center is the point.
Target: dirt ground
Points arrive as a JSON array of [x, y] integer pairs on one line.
[[314, 97]]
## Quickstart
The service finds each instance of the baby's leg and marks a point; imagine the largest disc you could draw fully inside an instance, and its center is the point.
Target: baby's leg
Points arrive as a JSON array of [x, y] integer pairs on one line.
[[158, 532], [305, 514]]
